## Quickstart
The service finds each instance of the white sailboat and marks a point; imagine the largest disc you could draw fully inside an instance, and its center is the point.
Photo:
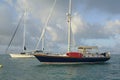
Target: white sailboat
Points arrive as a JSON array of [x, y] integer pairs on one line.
[[19, 55], [24, 53]]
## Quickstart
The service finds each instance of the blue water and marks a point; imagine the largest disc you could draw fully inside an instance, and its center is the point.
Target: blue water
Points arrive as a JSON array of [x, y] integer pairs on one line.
[[32, 69]]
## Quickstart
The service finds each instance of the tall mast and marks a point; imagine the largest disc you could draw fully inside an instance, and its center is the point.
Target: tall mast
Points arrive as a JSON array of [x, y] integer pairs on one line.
[[42, 37], [25, 18], [69, 25], [24, 29]]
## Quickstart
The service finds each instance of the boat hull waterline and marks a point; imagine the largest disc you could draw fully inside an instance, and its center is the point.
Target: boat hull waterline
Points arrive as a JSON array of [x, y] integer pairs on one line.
[[21, 55], [66, 59]]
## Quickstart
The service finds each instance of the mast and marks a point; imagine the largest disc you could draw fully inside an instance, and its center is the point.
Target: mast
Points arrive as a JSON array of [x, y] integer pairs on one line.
[[69, 25], [43, 42], [25, 18], [24, 29], [42, 37]]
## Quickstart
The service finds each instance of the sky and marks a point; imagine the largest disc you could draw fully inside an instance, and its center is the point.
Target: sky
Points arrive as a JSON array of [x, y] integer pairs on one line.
[[94, 23]]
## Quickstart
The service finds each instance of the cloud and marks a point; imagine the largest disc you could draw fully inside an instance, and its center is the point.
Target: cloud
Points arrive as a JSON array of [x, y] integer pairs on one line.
[[78, 25], [108, 6], [6, 23], [37, 12], [112, 27], [86, 30]]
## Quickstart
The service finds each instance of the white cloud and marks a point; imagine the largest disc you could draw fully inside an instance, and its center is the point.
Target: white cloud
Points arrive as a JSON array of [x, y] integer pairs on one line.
[[112, 27], [78, 25], [53, 33], [38, 11]]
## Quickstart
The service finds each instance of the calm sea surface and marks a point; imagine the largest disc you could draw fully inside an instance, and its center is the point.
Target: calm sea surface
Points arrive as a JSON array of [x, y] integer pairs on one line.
[[32, 69]]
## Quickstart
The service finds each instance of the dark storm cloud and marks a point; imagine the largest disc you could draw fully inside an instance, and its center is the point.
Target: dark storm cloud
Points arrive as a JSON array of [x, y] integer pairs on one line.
[[108, 6]]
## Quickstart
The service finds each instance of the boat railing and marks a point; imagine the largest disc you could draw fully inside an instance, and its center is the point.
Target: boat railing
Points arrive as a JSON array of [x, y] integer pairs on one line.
[[105, 54]]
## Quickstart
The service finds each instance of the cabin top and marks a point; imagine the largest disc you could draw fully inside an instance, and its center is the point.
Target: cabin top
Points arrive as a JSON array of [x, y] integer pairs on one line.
[[88, 47]]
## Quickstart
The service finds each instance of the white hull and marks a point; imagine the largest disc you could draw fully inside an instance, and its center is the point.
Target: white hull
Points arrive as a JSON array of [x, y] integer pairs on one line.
[[21, 55]]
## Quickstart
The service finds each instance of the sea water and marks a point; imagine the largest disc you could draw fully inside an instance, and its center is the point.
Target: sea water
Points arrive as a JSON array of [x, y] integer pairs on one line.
[[32, 69]]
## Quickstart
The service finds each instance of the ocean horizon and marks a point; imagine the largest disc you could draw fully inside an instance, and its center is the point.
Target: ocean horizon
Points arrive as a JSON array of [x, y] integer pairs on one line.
[[32, 69]]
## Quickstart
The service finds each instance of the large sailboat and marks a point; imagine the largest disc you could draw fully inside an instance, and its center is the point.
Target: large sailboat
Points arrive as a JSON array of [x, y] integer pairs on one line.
[[85, 54], [24, 53]]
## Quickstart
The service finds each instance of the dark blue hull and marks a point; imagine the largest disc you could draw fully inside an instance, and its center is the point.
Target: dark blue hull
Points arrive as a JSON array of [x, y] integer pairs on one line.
[[64, 59]]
